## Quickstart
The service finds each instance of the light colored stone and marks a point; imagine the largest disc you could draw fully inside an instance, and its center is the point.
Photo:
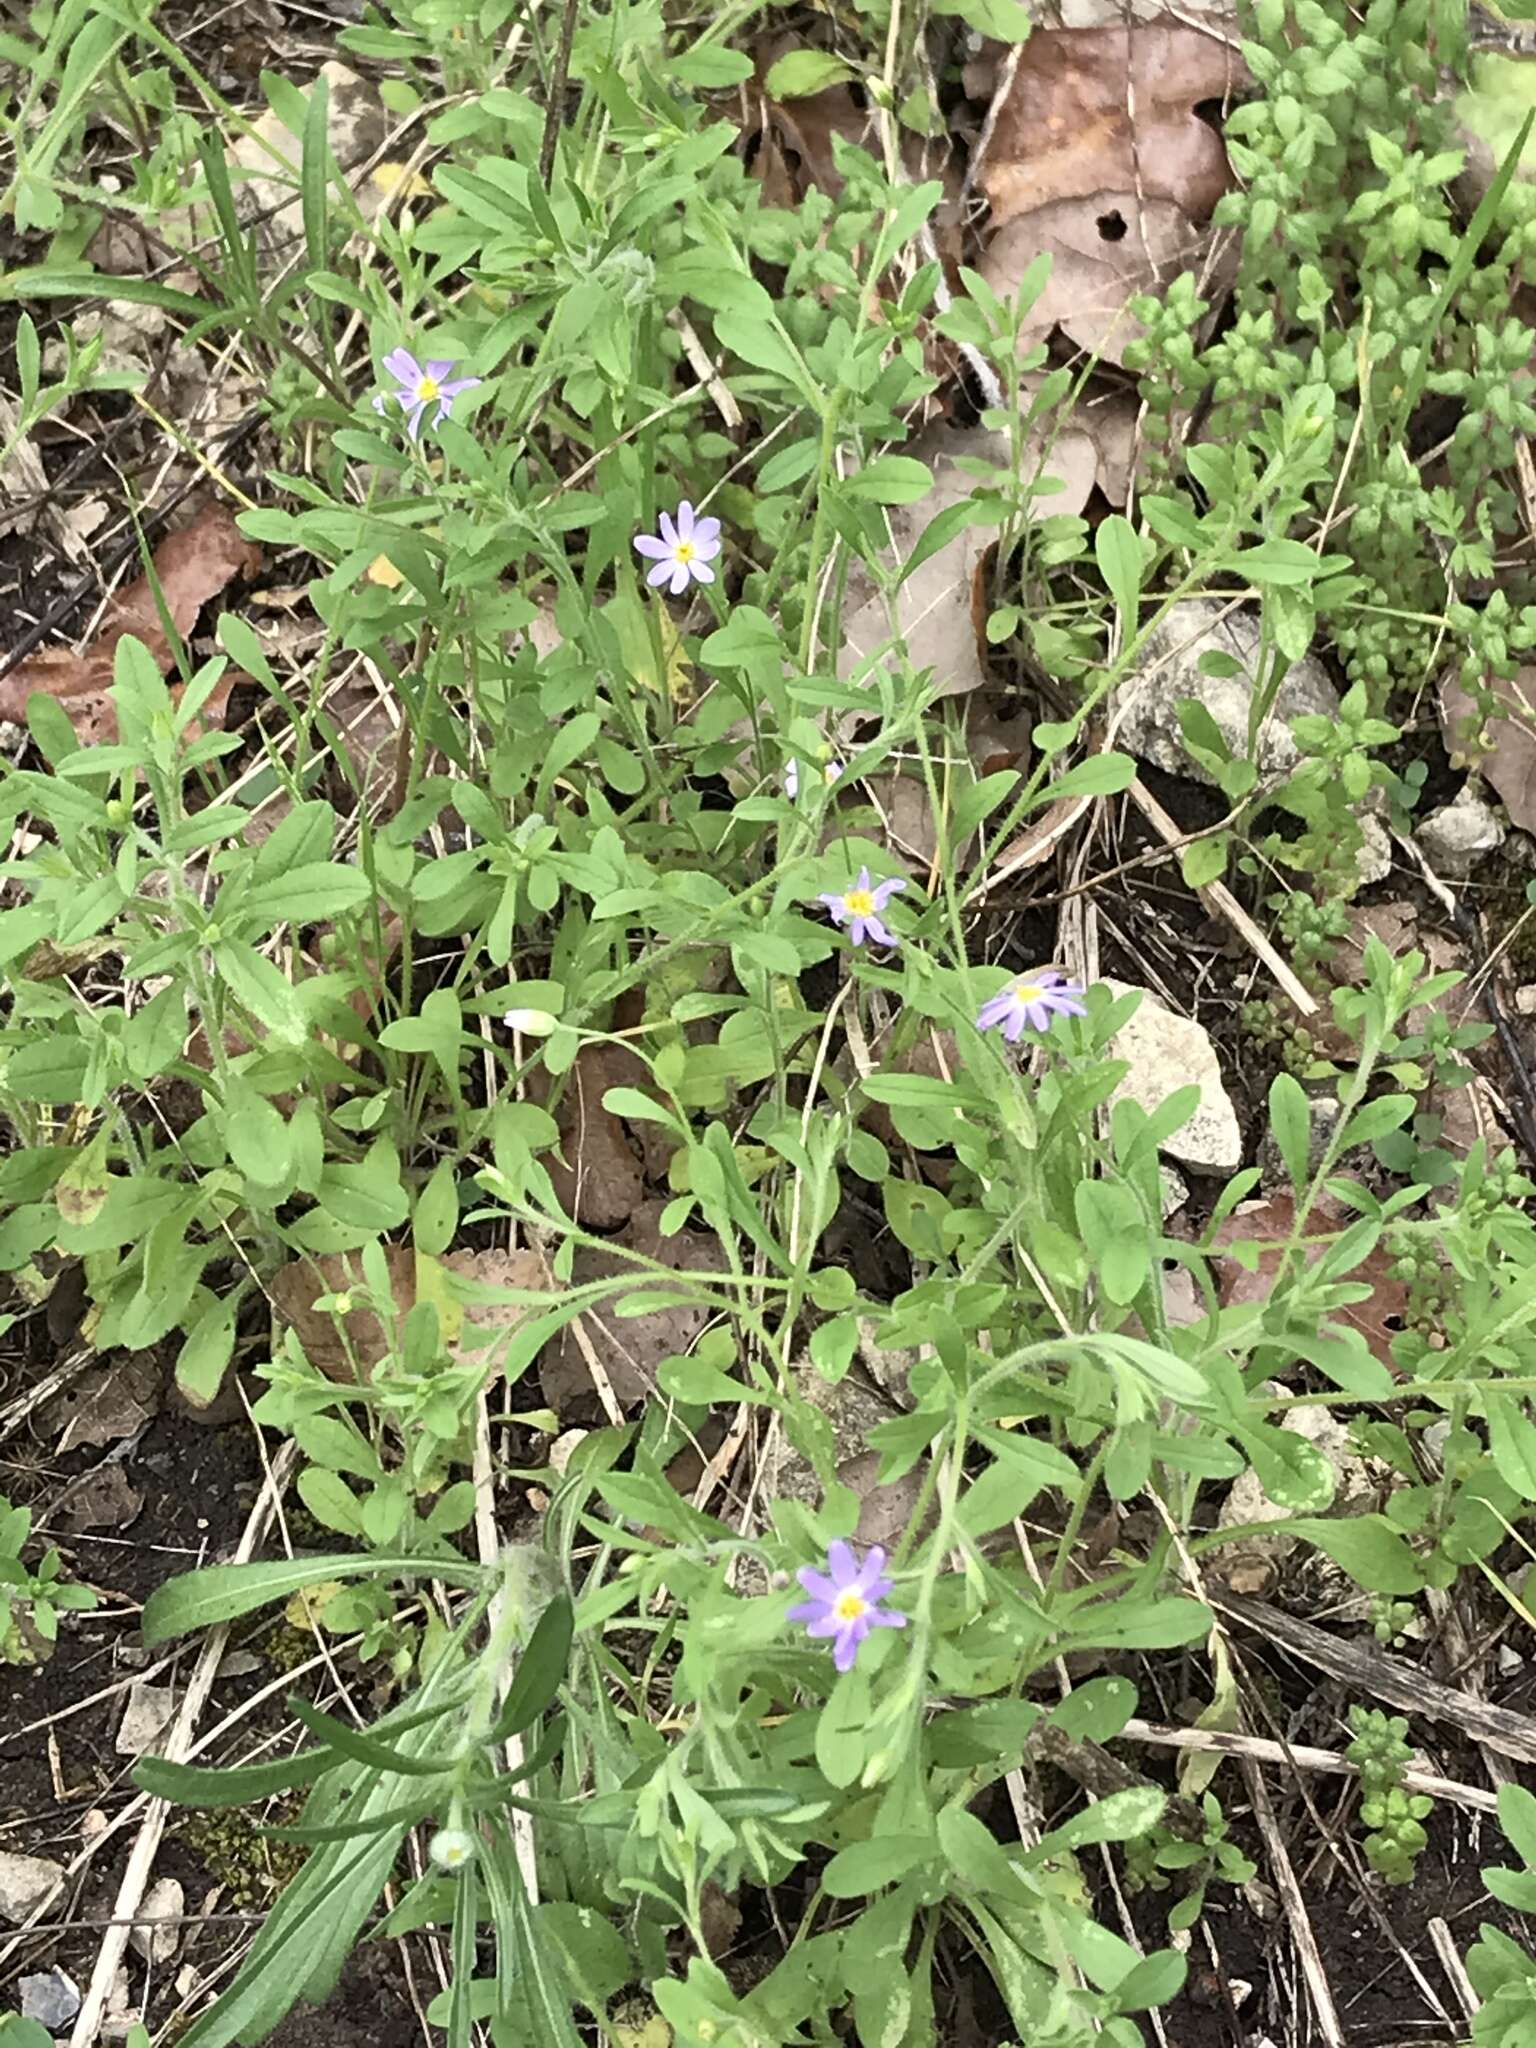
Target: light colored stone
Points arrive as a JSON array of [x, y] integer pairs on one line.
[[1175, 1189], [1250, 1566], [565, 1447], [165, 1902], [50, 1998], [1170, 672], [1167, 1052], [25, 1881], [1455, 838], [146, 1718], [1374, 860]]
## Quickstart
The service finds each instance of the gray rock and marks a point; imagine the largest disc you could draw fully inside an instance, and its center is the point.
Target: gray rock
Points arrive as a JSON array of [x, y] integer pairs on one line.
[[1375, 856], [164, 1902], [1170, 672], [147, 1716], [50, 1998], [25, 1881], [1454, 839], [1167, 1052]]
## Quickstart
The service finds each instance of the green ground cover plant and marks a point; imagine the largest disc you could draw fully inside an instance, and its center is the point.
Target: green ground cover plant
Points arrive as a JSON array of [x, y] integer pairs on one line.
[[631, 852]]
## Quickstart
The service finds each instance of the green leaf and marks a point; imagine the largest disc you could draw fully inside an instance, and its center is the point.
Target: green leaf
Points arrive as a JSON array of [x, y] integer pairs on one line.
[[1100, 775], [1369, 1548], [891, 480], [764, 344], [711, 65], [864, 1867], [315, 170], [1204, 861], [803, 72], [204, 1358], [1277, 561], [1117, 1817], [189, 1785], [1290, 1122], [331, 1501], [305, 895], [1118, 553], [222, 1592], [1517, 1817], [539, 1671]]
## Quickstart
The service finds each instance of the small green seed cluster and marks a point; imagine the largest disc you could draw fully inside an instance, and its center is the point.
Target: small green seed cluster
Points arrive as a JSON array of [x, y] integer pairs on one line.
[[1394, 1815]]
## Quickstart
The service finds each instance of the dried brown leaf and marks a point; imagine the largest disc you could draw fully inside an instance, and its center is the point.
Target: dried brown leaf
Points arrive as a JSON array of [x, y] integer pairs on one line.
[[631, 1347], [348, 1347], [600, 1175], [1510, 762], [106, 1405], [1112, 110], [1378, 1319], [191, 566]]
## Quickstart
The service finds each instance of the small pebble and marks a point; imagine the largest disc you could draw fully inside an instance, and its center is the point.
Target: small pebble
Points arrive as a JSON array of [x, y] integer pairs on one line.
[[50, 1998]]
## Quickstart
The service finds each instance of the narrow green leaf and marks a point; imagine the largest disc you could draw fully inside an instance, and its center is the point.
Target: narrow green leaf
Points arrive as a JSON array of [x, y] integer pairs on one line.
[[222, 1592], [191, 1785], [539, 1671]]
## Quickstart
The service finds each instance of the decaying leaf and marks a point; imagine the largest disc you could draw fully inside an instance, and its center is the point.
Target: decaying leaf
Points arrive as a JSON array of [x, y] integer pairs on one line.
[[600, 1174], [191, 566], [106, 1499], [1099, 156], [1112, 110], [1104, 251], [1269, 1225], [631, 1347], [1509, 764], [347, 1346], [105, 1406], [940, 610]]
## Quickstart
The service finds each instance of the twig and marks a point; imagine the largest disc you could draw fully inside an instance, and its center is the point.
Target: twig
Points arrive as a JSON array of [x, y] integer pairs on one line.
[[1218, 897], [1444, 1946], [1388, 1678], [15, 1413], [1261, 1750], [1295, 1908]]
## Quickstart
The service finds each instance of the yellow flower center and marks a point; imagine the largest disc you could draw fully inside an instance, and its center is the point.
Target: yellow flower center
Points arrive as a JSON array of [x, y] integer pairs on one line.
[[850, 1606], [683, 552], [859, 903], [428, 389], [1027, 992]]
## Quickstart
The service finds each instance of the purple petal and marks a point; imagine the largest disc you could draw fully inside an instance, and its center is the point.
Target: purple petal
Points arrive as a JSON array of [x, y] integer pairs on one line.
[[403, 366], [826, 1625], [1038, 1015], [835, 904], [887, 1617], [887, 890], [808, 1611], [706, 532], [458, 384], [1013, 1029], [413, 420], [679, 578], [438, 367], [996, 1010], [661, 573], [846, 1651], [685, 520], [657, 550], [702, 573], [704, 550], [842, 1564], [817, 1584], [878, 932], [856, 930], [863, 881], [869, 1571], [668, 530]]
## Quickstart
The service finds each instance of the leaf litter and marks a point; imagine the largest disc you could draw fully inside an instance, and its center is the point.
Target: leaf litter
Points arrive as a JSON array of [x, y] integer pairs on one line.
[[191, 567]]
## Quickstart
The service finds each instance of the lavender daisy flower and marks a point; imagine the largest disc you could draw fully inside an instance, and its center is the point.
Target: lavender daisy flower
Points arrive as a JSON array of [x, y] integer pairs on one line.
[[860, 908], [421, 385], [831, 770], [845, 1601], [683, 552], [1033, 1000]]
